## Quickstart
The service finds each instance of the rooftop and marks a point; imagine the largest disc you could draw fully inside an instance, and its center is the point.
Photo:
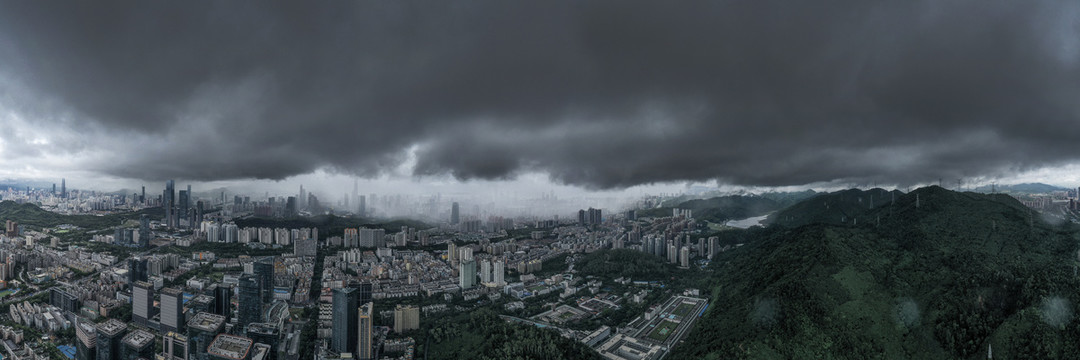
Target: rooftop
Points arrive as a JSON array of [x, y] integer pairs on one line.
[[143, 284], [203, 299], [262, 328], [111, 327], [206, 321], [172, 292], [230, 346], [139, 339], [260, 352]]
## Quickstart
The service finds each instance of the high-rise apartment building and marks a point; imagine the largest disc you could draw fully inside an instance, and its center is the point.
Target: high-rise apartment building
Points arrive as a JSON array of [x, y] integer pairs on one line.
[[364, 344], [406, 318]]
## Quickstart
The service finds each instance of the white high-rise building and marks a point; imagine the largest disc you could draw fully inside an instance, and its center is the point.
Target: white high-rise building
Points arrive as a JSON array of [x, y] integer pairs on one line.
[[266, 236], [232, 233], [213, 232], [485, 272], [500, 272], [466, 254]]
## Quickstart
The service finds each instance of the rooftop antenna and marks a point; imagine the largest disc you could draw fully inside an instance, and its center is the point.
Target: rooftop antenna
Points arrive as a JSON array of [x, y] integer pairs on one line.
[[993, 188]]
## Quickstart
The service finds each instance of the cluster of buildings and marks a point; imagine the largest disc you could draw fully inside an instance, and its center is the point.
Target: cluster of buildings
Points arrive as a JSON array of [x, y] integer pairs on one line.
[[304, 240]]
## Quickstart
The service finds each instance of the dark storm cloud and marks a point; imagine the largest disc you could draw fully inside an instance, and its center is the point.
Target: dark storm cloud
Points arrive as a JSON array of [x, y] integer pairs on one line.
[[599, 94]]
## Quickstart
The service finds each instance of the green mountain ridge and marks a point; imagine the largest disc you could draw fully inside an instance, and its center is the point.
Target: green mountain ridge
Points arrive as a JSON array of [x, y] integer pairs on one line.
[[936, 274], [32, 215], [732, 207]]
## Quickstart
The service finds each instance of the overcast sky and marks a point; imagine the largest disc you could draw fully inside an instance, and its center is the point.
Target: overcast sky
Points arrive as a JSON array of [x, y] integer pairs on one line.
[[585, 95]]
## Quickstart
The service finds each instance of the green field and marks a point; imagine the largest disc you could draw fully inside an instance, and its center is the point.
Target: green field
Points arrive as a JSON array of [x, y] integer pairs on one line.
[[663, 330], [7, 292]]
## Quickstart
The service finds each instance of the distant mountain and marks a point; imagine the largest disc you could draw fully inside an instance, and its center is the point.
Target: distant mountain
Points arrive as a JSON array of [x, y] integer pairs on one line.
[[1026, 188], [943, 275], [732, 207]]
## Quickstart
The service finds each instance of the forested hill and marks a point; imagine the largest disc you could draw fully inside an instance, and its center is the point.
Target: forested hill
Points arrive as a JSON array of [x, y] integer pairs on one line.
[[32, 215], [941, 275], [841, 207]]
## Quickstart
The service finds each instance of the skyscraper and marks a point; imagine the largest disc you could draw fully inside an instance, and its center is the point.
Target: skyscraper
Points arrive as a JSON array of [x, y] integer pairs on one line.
[[290, 206], [363, 206], [137, 270], [172, 310], [142, 302], [264, 271], [202, 329], [109, 335], [250, 300], [63, 188], [455, 213], [223, 301], [364, 344], [302, 199], [181, 207], [144, 230], [168, 202], [187, 206], [345, 302]]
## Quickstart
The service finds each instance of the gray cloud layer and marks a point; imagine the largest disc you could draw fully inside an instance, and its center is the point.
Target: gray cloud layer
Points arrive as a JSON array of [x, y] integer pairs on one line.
[[598, 94]]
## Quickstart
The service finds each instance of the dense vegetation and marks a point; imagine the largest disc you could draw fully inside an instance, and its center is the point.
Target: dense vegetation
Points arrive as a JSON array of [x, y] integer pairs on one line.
[[32, 215], [481, 334], [841, 207], [616, 263], [942, 277]]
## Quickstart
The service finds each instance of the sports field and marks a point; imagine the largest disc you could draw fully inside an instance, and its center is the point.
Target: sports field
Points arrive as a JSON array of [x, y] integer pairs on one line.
[[663, 330]]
